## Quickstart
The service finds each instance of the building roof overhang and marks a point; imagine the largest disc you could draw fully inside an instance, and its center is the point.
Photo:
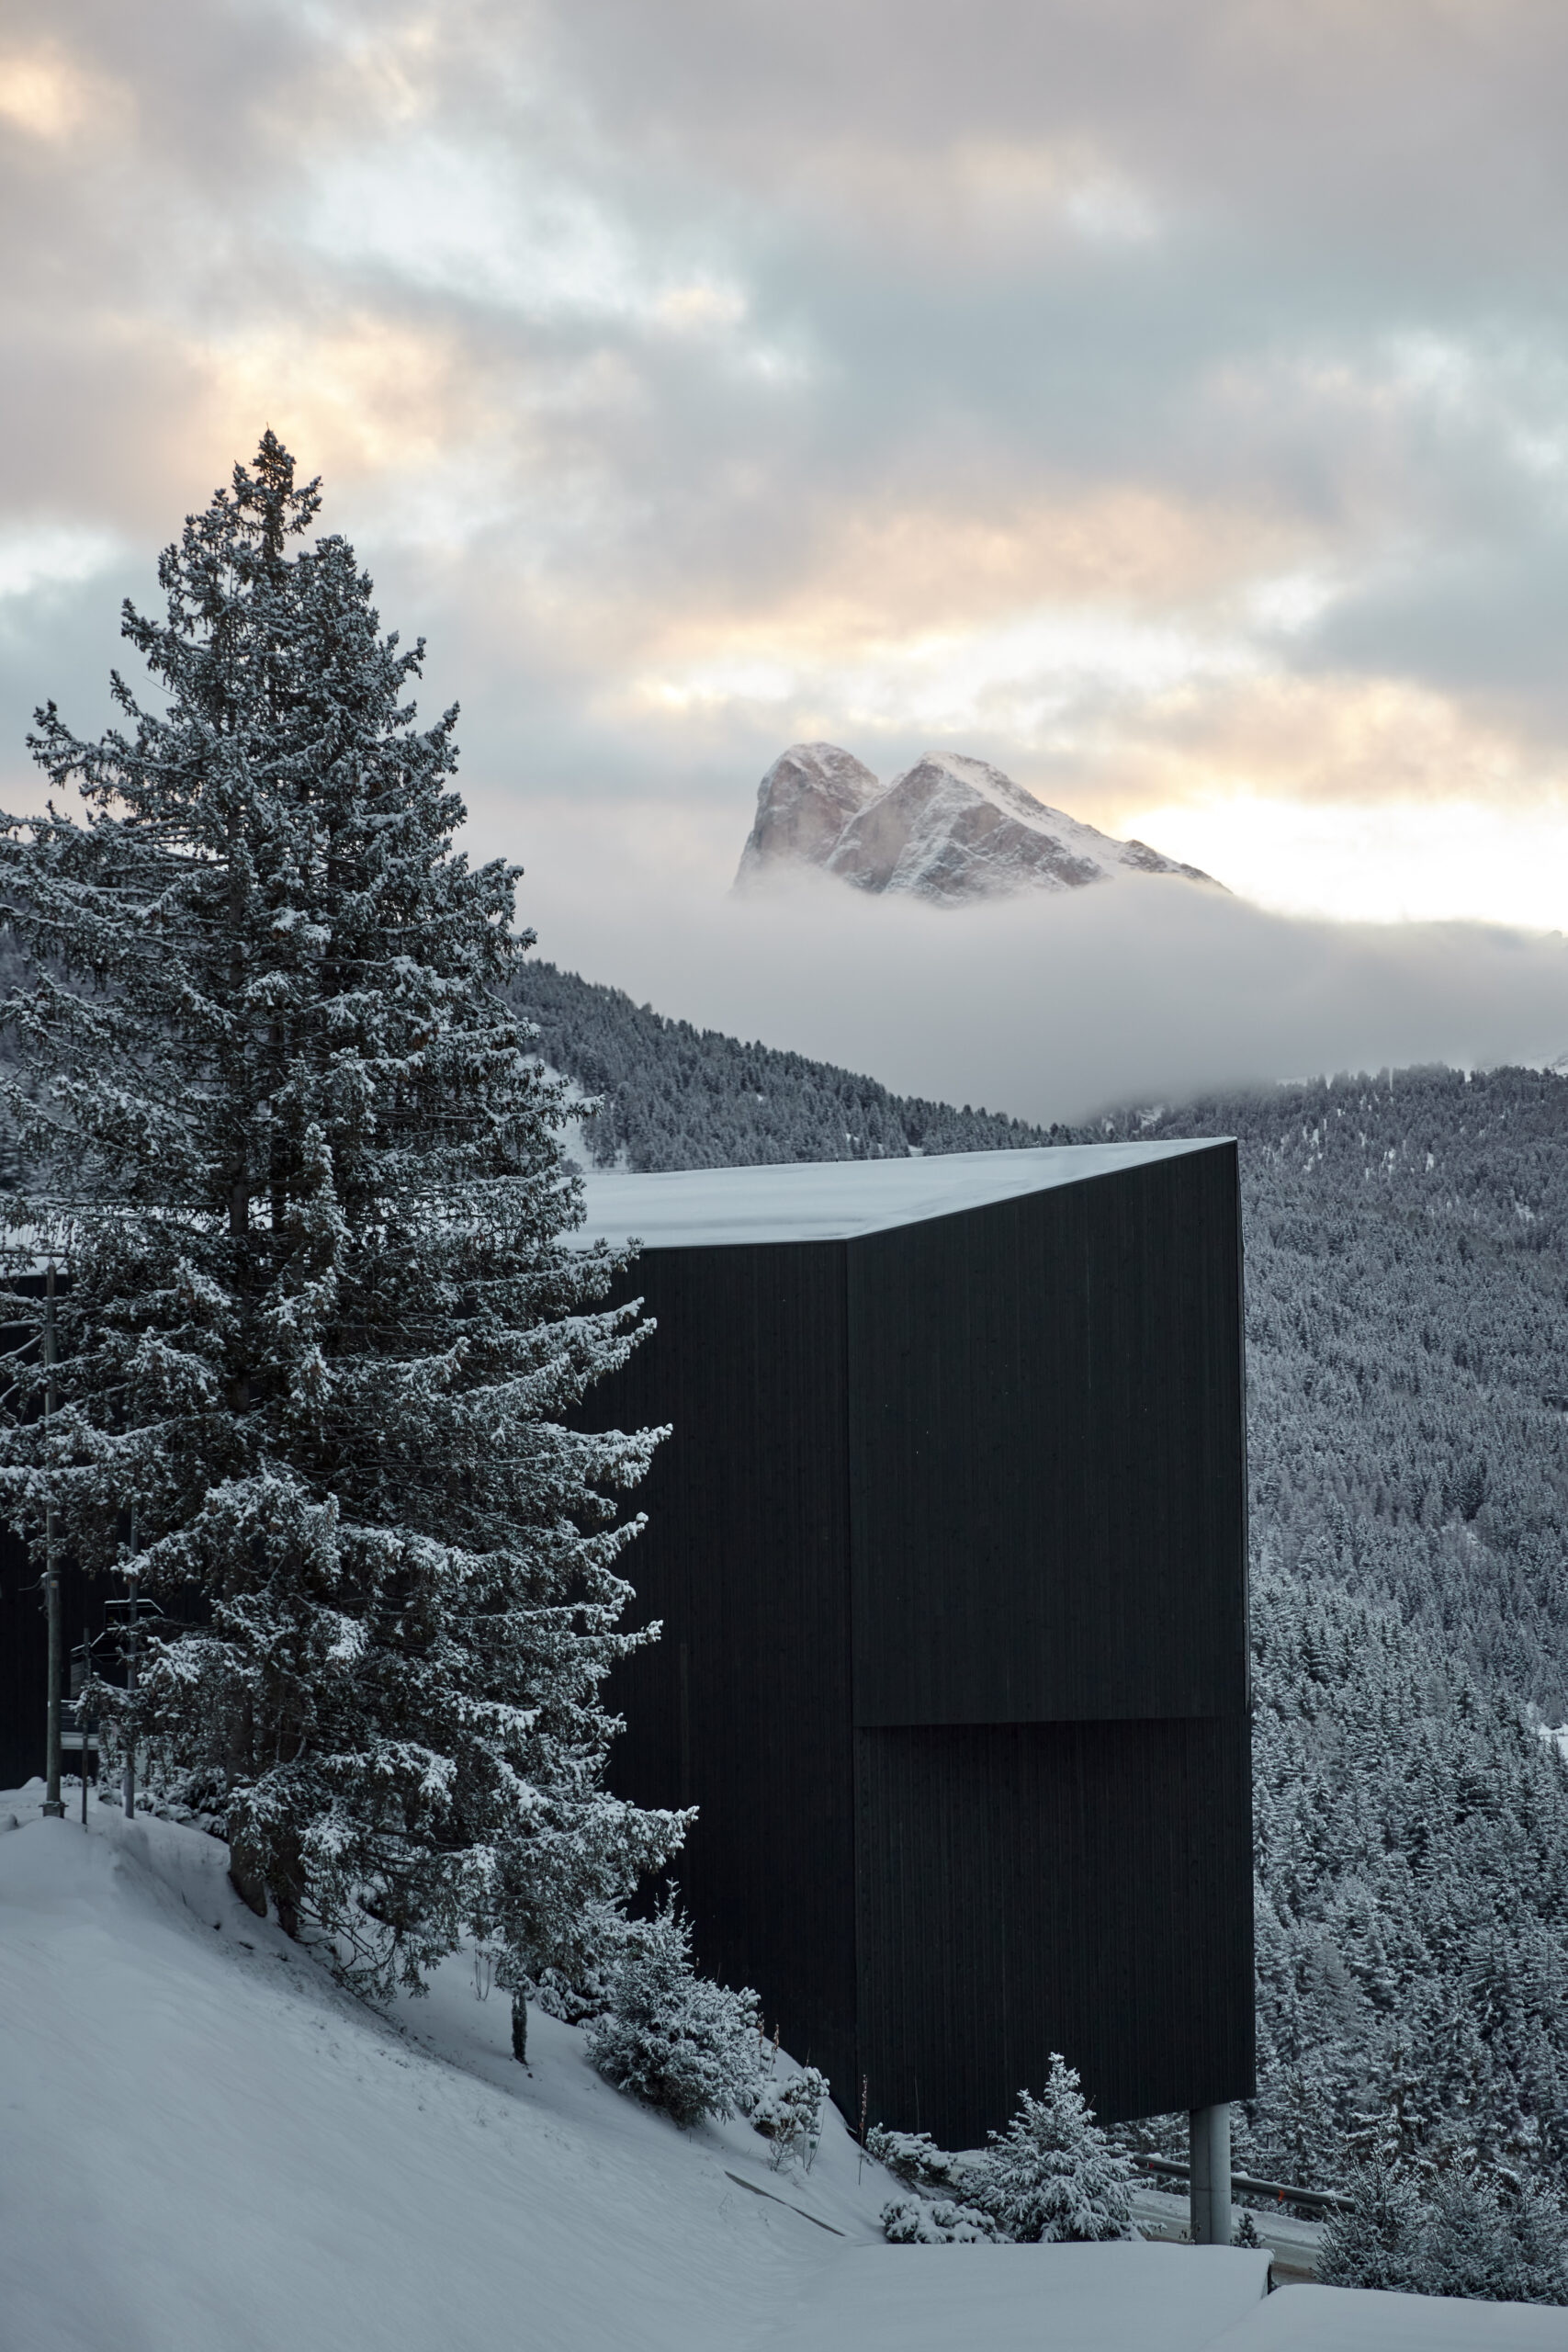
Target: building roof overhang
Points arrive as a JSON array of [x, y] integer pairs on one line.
[[836, 1200]]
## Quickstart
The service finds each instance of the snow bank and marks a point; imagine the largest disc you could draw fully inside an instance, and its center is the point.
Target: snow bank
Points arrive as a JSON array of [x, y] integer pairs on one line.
[[208, 2145], [1024, 2298], [1353, 2319]]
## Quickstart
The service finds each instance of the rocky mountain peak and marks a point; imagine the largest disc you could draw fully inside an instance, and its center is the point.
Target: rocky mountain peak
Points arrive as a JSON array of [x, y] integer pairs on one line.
[[804, 803], [950, 828]]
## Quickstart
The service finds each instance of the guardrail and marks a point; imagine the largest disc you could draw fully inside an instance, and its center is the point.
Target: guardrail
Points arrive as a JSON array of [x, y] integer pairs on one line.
[[1316, 2201]]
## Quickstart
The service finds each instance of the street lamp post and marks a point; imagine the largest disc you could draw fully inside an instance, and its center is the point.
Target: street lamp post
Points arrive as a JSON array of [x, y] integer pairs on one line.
[[132, 1615]]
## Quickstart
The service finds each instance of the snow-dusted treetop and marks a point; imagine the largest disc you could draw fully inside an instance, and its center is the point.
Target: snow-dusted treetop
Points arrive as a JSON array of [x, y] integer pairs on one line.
[[831, 1200]]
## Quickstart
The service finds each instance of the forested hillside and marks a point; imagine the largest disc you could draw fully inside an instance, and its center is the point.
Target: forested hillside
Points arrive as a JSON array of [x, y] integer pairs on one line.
[[677, 1097], [1408, 1348]]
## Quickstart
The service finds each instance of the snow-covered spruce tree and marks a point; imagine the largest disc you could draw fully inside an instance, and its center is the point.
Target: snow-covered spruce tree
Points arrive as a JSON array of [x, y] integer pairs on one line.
[[1494, 2237], [1380, 2240], [670, 2037], [1053, 2174], [323, 1332]]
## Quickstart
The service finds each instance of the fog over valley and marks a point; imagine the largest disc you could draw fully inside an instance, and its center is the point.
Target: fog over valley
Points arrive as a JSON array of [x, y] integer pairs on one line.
[[1049, 1008]]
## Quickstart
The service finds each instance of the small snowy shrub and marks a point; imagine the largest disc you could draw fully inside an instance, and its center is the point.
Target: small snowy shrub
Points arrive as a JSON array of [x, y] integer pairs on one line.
[[1053, 2174], [198, 1800], [1246, 2233], [790, 2114], [910, 2221], [913, 2155], [670, 2037]]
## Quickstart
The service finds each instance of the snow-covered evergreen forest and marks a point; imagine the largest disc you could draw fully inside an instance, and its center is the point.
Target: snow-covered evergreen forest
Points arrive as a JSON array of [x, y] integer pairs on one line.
[[673, 1096], [1407, 1343]]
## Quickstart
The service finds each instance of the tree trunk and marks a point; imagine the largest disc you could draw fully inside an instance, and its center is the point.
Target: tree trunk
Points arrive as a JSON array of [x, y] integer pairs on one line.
[[245, 1878]]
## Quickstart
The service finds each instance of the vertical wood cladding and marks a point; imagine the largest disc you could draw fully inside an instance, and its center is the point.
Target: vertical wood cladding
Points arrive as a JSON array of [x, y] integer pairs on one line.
[[743, 1706], [23, 1652], [1045, 1412], [1026, 1888], [24, 1627]]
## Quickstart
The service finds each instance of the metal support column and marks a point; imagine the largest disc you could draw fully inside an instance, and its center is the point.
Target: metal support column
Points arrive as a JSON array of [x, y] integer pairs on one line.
[[1209, 2129]]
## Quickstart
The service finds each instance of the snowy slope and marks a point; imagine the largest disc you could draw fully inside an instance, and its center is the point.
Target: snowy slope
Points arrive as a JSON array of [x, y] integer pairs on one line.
[[949, 829], [209, 2149]]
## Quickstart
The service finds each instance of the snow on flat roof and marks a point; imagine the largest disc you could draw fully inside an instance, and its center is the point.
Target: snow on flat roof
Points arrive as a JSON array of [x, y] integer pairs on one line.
[[833, 1200]]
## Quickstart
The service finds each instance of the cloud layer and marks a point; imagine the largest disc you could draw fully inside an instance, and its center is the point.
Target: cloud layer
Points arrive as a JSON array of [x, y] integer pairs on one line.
[[1133, 992], [1162, 400]]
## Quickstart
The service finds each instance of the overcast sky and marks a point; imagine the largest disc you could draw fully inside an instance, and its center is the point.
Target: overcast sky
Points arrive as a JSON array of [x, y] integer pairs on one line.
[[1166, 401]]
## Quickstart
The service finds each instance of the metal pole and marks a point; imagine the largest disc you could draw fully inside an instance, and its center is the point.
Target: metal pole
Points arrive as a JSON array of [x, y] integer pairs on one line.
[[1197, 2177], [53, 1803], [129, 1784], [1210, 2177]]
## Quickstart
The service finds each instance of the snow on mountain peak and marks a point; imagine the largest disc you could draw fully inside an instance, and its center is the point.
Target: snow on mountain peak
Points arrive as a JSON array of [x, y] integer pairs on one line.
[[804, 802], [950, 828]]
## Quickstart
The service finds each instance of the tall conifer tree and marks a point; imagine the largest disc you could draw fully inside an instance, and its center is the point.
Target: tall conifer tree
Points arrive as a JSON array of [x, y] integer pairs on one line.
[[325, 1331]]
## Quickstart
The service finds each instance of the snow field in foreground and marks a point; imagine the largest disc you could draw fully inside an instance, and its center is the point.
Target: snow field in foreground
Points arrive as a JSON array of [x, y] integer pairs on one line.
[[209, 2148]]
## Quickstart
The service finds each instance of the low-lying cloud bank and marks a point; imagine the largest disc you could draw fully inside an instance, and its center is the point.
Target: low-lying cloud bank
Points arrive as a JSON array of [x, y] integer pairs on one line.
[[1056, 1008]]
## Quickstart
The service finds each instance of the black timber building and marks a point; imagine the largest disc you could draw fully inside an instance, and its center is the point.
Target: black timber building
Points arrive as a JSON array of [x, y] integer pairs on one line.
[[949, 1546]]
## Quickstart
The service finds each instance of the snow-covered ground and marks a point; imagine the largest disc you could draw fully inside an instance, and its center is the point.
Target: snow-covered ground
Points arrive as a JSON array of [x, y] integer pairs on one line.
[[1163, 2214], [209, 2148]]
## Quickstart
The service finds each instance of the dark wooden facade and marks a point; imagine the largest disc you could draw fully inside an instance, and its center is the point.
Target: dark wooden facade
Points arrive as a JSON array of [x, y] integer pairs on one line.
[[949, 1546], [24, 1630], [23, 1652], [24, 1627]]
